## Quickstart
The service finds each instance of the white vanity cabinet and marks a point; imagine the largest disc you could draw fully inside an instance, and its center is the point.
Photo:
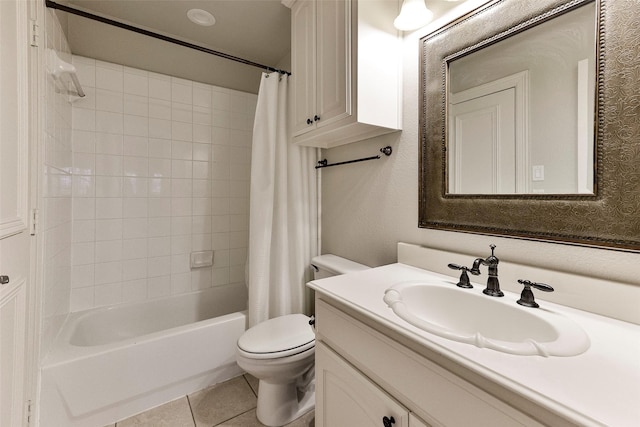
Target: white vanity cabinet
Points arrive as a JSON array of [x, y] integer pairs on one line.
[[346, 71], [363, 375], [345, 397]]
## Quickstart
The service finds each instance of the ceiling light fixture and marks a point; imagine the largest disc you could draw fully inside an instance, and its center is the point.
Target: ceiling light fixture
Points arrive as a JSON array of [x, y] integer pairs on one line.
[[201, 17], [413, 15]]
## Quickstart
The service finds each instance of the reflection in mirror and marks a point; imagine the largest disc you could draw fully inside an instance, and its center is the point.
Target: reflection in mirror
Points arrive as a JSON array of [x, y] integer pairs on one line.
[[521, 112]]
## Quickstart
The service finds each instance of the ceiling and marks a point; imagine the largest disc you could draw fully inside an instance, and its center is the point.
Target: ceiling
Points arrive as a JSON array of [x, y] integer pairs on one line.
[[257, 30]]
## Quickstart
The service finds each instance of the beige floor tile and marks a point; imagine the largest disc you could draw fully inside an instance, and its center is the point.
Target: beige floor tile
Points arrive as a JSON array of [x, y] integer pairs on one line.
[[253, 382], [222, 402], [248, 419], [172, 414], [307, 420]]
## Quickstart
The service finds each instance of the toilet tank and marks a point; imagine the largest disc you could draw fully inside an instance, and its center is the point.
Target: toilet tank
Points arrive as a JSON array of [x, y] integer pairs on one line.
[[331, 265]]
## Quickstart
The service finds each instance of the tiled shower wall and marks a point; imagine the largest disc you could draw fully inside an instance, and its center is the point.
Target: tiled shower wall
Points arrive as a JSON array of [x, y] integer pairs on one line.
[[161, 168], [55, 197]]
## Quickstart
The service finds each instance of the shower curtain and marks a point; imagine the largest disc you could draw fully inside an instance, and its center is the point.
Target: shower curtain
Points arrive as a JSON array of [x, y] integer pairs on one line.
[[283, 209]]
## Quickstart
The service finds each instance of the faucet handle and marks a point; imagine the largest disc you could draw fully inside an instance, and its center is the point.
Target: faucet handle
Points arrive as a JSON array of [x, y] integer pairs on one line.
[[464, 277], [526, 297]]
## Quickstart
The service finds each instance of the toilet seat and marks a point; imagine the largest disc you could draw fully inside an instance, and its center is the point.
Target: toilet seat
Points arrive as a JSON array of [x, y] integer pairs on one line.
[[278, 337]]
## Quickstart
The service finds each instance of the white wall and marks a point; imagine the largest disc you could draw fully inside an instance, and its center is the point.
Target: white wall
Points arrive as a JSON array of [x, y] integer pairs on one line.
[[55, 194], [161, 168], [368, 207]]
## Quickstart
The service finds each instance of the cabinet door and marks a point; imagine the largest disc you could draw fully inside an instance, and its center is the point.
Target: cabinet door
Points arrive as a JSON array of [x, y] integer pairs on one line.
[[346, 398], [333, 61], [14, 192], [303, 59]]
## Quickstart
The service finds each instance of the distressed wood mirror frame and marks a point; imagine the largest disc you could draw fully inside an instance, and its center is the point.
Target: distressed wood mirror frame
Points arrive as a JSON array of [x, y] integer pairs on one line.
[[611, 217]]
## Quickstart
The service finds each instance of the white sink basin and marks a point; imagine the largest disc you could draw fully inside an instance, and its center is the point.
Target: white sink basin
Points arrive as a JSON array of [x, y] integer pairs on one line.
[[469, 316]]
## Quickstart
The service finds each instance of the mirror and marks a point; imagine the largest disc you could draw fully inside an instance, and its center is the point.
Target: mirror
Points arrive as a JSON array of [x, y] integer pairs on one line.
[[520, 112], [599, 204]]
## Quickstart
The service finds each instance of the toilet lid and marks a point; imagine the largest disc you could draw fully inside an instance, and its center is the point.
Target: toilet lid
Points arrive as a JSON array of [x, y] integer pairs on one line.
[[283, 335]]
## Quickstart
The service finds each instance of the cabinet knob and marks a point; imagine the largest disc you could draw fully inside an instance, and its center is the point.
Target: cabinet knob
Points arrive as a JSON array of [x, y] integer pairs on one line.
[[388, 422], [4, 280], [316, 118]]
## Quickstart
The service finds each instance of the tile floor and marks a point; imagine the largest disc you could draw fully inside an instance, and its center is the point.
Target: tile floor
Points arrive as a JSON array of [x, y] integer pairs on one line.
[[228, 404]]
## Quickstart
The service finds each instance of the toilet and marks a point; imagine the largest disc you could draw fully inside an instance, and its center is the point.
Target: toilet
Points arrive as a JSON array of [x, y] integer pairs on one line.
[[280, 353]]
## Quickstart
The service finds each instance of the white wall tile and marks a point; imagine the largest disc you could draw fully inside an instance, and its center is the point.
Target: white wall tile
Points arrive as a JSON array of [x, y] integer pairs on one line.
[[84, 141], [159, 109], [136, 166], [161, 168], [159, 148], [136, 146], [159, 128], [136, 187], [136, 105], [108, 229], [159, 87], [84, 119], [109, 77], [134, 248], [134, 269], [159, 227], [107, 251], [135, 207], [107, 100], [84, 208], [108, 294], [107, 143], [83, 253], [159, 187], [136, 125], [134, 290], [108, 208], [159, 287], [181, 91], [108, 165], [181, 131], [108, 186], [81, 299], [82, 276], [109, 122], [136, 84], [180, 283], [108, 272], [202, 278], [159, 266], [135, 228], [181, 112], [159, 247]]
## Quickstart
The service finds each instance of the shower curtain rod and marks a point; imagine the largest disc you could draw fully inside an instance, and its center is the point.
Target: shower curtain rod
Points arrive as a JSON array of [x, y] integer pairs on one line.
[[53, 5]]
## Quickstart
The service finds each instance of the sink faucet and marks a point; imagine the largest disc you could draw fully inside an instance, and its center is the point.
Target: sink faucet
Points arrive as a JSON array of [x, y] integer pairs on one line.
[[493, 285]]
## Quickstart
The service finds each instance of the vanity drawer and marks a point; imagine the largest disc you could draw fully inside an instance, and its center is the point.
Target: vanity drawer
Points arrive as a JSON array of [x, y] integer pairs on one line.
[[435, 394]]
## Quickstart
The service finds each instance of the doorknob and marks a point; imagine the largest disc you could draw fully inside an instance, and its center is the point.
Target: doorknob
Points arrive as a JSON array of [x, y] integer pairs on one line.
[[4, 280]]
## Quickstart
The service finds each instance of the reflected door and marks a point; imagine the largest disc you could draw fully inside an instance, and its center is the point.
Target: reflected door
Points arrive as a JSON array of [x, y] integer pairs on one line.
[[482, 148]]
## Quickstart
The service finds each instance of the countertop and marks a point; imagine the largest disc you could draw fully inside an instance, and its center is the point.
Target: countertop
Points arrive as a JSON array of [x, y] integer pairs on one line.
[[598, 387]]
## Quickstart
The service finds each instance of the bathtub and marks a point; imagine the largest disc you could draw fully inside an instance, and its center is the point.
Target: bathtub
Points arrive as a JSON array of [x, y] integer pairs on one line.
[[110, 363]]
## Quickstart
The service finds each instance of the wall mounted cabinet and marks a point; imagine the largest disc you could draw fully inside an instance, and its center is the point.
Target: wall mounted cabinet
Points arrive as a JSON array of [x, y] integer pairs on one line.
[[346, 71]]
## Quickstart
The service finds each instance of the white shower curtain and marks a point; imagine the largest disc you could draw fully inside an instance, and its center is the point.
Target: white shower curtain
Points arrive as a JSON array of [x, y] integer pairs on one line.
[[283, 209]]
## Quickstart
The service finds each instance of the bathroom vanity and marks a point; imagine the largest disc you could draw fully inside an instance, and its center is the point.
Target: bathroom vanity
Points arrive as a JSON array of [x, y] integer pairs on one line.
[[373, 368]]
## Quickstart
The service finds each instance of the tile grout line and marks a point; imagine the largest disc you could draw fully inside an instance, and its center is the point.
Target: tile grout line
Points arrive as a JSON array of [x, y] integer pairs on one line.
[[249, 384], [193, 416]]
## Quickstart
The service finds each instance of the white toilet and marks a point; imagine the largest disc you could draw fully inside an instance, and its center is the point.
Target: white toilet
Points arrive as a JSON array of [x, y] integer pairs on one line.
[[280, 353]]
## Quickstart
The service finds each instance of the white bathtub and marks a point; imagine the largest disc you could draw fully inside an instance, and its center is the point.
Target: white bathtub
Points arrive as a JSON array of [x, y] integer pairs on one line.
[[110, 363]]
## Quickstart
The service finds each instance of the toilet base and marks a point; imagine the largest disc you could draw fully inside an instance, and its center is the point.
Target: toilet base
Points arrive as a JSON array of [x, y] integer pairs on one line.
[[280, 404]]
